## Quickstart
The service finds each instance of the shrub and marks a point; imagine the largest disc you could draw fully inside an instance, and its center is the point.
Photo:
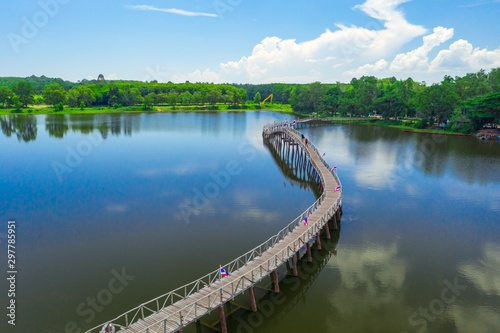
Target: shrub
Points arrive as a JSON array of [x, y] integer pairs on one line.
[[59, 107]]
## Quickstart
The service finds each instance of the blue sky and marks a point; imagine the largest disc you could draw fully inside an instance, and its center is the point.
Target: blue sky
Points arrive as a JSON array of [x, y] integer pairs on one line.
[[248, 41]]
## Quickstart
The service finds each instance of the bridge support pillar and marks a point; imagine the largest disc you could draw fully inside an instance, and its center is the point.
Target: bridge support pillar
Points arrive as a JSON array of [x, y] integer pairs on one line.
[[276, 282], [335, 222], [318, 241], [222, 317], [294, 266], [341, 210], [327, 229], [252, 299], [309, 256]]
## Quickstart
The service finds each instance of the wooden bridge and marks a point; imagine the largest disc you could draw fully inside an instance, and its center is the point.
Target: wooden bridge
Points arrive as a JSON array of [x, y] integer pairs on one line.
[[316, 122], [175, 310]]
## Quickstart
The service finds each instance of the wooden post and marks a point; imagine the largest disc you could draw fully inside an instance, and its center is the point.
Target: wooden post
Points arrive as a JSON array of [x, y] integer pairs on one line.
[[276, 282], [318, 241], [327, 229], [222, 317], [309, 256], [294, 265], [252, 299], [335, 222]]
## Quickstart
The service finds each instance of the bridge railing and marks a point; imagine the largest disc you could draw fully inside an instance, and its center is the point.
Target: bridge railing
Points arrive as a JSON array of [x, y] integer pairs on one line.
[[157, 304]]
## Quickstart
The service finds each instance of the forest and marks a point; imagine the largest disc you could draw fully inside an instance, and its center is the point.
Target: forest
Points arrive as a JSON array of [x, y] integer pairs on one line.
[[462, 104], [17, 93]]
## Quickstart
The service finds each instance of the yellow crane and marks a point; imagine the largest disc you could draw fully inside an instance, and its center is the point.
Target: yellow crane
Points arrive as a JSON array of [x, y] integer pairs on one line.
[[264, 101]]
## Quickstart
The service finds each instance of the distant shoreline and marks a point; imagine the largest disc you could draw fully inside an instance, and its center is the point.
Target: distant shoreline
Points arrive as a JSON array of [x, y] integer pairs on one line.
[[440, 133], [157, 109]]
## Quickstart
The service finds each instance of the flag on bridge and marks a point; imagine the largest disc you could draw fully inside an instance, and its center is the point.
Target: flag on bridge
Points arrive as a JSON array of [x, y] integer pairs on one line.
[[223, 272], [334, 168], [293, 123], [309, 137], [306, 221], [324, 154], [337, 189]]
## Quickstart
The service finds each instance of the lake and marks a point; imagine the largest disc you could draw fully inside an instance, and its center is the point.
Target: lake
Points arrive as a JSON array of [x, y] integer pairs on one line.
[[113, 210]]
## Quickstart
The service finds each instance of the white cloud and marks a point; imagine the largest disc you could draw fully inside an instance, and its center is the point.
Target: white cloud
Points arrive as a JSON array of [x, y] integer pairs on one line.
[[417, 60], [198, 76], [326, 57], [369, 69], [463, 56], [117, 208], [170, 10], [112, 77], [354, 51]]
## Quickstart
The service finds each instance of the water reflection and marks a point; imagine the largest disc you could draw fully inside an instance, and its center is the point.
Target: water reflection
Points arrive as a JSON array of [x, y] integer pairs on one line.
[[384, 158], [23, 126], [475, 319], [484, 275], [117, 124], [372, 279], [296, 175], [56, 125], [274, 308]]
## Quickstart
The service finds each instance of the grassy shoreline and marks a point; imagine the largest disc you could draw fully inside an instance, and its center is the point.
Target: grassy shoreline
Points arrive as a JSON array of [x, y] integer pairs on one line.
[[284, 108], [413, 129]]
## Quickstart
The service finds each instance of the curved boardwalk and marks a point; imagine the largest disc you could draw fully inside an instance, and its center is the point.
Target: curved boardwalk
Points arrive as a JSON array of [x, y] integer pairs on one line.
[[175, 310]]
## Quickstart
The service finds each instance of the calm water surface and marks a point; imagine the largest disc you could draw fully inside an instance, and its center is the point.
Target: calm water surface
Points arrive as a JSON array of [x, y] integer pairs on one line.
[[96, 196]]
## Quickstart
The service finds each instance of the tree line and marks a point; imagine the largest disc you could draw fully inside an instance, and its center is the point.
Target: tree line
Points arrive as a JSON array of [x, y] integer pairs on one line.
[[469, 100], [98, 93]]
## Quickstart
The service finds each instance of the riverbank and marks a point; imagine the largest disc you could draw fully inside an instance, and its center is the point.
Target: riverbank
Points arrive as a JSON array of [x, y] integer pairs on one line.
[[283, 108], [411, 129]]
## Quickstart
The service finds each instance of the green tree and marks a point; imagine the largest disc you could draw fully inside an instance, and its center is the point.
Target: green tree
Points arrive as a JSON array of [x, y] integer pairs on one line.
[[197, 98], [315, 94], [331, 100], [78, 95], [214, 96], [438, 101], [25, 92], [186, 98], [54, 94], [257, 98], [5, 96], [494, 80], [148, 102], [366, 91], [172, 99], [390, 105]]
